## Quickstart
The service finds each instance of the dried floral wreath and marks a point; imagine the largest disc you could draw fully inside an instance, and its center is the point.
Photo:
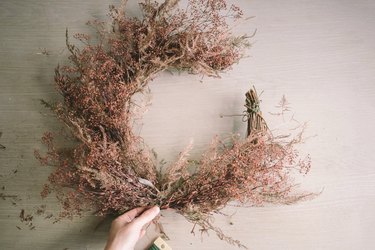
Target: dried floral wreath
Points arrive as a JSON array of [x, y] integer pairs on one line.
[[110, 170]]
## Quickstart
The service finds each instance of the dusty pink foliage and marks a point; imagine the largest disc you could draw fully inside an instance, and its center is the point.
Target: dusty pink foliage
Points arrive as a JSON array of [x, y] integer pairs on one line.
[[111, 170]]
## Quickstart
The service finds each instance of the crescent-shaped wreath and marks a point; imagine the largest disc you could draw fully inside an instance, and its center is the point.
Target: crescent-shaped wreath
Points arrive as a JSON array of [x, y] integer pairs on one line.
[[110, 170]]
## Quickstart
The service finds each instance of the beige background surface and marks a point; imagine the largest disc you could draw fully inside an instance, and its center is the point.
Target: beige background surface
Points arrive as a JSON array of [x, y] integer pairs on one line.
[[320, 54]]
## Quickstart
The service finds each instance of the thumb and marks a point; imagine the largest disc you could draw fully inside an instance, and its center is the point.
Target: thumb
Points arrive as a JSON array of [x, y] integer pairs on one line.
[[147, 216]]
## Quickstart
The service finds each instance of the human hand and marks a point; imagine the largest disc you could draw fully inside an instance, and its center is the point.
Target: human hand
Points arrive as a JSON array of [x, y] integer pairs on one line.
[[128, 228]]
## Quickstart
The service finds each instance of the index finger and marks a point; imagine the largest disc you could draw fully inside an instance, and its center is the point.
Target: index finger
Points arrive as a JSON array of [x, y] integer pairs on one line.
[[130, 215], [147, 216]]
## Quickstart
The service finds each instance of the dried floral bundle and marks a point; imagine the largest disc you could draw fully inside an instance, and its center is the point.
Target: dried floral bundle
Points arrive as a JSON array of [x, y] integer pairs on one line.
[[111, 170]]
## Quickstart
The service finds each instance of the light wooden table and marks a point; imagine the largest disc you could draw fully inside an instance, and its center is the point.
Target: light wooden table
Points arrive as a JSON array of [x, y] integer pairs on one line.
[[320, 54]]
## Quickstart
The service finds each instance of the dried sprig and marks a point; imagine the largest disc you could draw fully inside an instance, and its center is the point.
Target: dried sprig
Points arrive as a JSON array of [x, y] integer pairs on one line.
[[111, 170], [283, 106]]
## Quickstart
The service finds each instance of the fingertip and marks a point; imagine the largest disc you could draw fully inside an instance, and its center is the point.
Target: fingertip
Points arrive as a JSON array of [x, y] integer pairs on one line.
[[152, 212], [156, 209], [130, 215], [147, 216]]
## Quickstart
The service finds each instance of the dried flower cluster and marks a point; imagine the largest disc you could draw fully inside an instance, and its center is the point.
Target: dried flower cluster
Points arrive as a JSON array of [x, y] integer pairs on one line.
[[111, 170]]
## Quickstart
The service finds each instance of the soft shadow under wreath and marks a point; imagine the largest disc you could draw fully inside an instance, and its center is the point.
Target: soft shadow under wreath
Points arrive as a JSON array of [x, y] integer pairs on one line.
[[110, 170]]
